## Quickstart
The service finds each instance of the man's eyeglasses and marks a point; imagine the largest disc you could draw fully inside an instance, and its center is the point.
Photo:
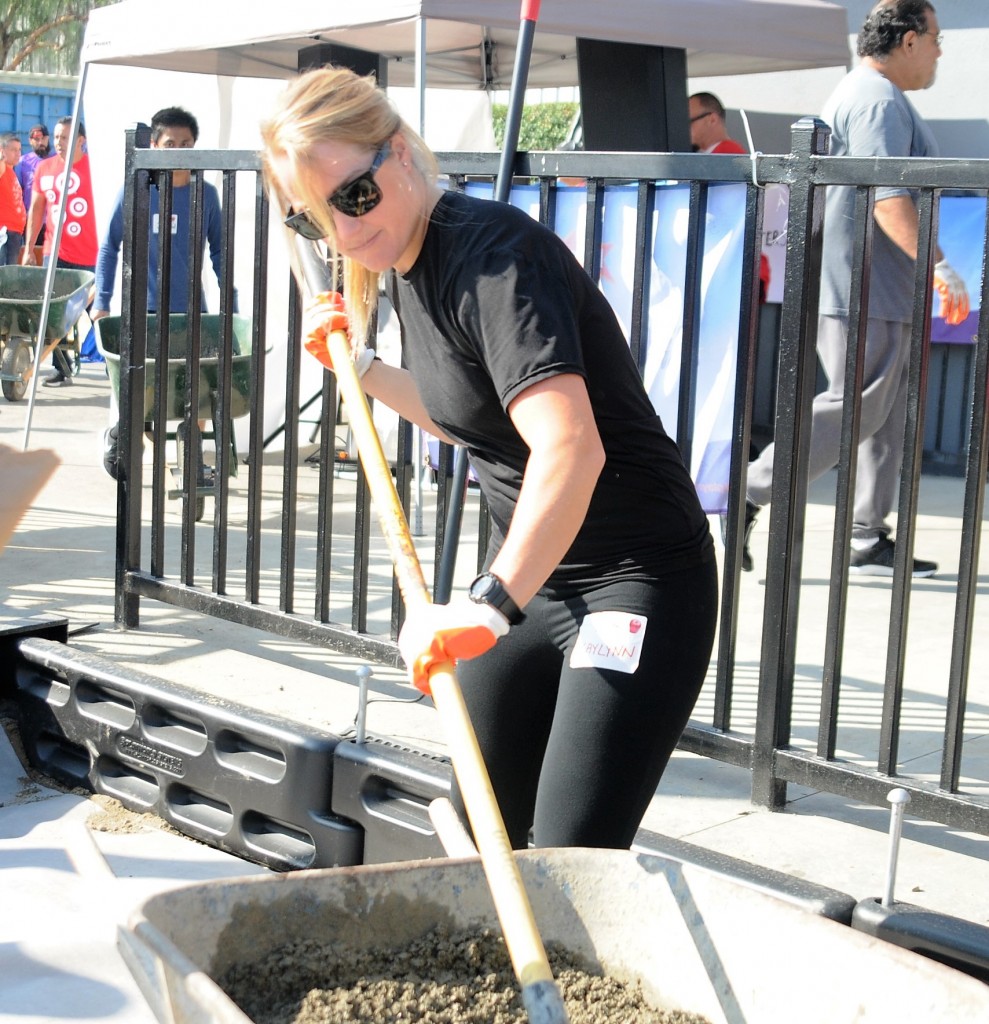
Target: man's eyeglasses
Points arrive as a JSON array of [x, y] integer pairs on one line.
[[354, 199], [698, 117]]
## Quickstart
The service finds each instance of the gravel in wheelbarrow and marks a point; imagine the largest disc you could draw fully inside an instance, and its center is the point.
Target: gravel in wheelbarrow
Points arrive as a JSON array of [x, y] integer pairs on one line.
[[442, 978]]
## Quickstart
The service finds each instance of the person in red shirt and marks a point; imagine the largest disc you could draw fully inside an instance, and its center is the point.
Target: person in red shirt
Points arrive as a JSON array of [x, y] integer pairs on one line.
[[708, 131], [79, 244], [13, 216], [709, 134]]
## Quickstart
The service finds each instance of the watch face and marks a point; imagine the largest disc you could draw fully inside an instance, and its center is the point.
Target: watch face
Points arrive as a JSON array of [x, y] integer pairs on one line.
[[488, 589], [482, 587]]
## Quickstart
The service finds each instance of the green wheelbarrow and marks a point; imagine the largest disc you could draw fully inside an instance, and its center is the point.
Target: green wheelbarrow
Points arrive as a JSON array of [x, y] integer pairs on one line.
[[108, 343], [22, 294]]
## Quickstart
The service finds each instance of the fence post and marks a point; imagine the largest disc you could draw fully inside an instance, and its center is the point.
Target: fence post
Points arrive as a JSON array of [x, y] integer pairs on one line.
[[132, 352], [795, 391]]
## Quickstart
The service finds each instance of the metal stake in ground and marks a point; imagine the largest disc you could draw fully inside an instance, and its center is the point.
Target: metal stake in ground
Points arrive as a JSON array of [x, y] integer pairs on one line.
[[899, 798], [540, 995]]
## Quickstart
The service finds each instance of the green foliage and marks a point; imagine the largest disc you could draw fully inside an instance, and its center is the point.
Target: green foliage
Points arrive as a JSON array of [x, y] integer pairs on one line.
[[43, 35], [544, 125]]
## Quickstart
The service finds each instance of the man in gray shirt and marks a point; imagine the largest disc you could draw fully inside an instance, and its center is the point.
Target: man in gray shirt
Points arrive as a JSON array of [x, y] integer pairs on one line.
[[869, 115]]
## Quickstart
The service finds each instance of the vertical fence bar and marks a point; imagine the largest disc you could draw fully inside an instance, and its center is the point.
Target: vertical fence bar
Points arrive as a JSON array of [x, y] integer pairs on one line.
[[858, 319], [445, 497], [221, 404], [645, 207], [192, 439], [743, 400], [690, 337], [290, 454], [593, 228], [797, 377], [403, 484], [889, 734], [362, 560], [324, 510], [547, 202], [159, 424], [255, 444], [483, 530], [969, 545], [132, 350]]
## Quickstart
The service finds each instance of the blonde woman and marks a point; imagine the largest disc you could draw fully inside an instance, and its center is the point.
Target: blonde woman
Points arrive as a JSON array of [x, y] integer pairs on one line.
[[584, 644]]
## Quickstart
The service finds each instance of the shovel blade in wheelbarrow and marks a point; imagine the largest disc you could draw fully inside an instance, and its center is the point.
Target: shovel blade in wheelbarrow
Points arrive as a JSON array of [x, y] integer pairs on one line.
[[210, 335]]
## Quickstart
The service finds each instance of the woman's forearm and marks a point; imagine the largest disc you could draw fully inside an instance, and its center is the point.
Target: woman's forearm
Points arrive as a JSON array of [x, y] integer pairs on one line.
[[566, 458], [551, 509]]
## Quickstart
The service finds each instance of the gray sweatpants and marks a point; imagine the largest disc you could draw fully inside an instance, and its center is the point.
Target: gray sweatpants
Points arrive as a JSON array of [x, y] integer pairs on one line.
[[884, 403]]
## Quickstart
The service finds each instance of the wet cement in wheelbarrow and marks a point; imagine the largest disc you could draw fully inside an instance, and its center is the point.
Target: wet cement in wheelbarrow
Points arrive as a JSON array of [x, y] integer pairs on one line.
[[441, 978]]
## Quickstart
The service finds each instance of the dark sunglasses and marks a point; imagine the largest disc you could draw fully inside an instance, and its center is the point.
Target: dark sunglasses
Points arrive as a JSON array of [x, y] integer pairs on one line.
[[354, 199]]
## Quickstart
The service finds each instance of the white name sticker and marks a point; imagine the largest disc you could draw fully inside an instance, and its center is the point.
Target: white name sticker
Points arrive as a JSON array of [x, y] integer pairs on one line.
[[175, 223], [610, 640]]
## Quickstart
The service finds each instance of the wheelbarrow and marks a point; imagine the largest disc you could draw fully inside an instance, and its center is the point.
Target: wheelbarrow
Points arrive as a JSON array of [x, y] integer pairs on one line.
[[108, 343], [693, 940], [22, 293]]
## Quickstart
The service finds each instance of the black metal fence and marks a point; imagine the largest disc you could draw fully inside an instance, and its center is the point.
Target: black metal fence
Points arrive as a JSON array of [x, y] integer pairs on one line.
[[295, 558]]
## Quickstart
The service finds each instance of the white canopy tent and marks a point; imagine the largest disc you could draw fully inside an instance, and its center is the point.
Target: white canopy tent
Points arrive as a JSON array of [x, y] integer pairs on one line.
[[468, 43], [461, 44]]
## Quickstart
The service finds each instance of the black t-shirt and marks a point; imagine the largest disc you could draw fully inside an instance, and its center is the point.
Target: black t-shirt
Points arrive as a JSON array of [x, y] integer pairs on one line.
[[495, 303]]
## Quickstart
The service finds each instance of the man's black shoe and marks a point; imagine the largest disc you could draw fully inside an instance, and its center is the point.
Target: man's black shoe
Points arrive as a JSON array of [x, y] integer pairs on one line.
[[878, 561], [751, 511], [110, 451], [56, 380], [204, 474]]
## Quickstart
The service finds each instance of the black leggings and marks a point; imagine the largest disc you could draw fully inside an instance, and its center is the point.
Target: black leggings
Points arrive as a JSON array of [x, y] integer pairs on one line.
[[576, 754]]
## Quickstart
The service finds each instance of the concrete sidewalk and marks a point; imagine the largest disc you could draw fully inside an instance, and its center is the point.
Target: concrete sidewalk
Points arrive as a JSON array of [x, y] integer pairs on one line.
[[60, 561]]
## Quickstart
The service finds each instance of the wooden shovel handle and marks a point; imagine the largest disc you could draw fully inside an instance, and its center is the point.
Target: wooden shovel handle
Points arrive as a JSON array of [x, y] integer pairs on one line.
[[511, 902]]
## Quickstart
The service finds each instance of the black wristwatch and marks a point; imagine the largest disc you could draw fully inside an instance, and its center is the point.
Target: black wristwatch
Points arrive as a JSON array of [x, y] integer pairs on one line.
[[488, 589]]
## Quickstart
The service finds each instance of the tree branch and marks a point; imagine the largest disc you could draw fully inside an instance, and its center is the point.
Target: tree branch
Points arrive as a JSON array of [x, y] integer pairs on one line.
[[35, 41]]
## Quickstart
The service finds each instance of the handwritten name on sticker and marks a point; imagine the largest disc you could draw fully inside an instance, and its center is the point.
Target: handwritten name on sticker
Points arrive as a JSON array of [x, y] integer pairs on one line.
[[610, 640]]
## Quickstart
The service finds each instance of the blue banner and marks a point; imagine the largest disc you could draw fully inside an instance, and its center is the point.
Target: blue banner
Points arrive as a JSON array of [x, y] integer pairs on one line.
[[721, 279], [961, 236]]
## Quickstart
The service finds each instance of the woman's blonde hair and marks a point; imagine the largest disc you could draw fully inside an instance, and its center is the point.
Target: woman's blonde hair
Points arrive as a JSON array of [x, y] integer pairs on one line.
[[333, 104]]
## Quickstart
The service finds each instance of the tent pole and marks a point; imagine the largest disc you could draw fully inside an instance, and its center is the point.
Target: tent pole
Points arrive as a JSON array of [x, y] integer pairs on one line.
[[516, 99], [418, 462], [53, 259], [503, 189], [420, 73]]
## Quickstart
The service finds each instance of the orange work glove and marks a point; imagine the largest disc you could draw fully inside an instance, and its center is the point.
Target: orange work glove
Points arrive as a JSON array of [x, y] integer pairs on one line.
[[435, 633], [324, 315], [954, 295]]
